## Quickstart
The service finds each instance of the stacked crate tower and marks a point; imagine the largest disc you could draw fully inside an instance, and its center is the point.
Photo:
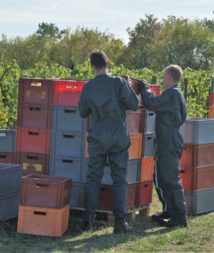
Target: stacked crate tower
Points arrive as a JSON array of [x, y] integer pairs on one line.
[[44, 205], [197, 164], [211, 104], [51, 140], [33, 125]]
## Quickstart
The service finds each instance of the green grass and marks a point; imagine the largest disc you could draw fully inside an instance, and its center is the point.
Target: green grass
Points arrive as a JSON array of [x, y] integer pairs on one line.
[[146, 236]]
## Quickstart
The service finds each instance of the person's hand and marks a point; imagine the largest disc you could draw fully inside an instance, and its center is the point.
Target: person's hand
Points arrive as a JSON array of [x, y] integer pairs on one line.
[[143, 82]]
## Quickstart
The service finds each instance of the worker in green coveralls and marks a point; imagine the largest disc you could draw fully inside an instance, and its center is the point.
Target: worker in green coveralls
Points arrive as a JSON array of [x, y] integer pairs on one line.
[[170, 108], [107, 98]]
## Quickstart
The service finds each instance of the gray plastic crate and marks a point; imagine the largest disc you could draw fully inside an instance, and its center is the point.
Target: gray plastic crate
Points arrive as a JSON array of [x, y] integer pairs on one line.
[[150, 121], [10, 178], [67, 118], [198, 130], [77, 193], [148, 144], [133, 172], [66, 166], [7, 140], [67, 143], [9, 205], [200, 201]]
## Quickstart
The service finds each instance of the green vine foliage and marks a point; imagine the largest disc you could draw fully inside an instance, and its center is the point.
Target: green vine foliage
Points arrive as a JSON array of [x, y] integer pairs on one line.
[[199, 85]]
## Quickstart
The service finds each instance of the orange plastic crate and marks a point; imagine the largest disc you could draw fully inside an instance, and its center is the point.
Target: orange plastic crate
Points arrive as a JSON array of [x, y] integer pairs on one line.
[[135, 149], [135, 120], [43, 221], [197, 178], [195, 155], [211, 112], [147, 168]]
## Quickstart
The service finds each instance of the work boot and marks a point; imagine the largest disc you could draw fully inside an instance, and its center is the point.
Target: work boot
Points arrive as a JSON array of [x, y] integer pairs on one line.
[[174, 222], [121, 226], [164, 215], [87, 226]]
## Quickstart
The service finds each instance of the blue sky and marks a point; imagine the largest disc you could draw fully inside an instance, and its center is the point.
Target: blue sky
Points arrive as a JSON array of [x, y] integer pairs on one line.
[[21, 17]]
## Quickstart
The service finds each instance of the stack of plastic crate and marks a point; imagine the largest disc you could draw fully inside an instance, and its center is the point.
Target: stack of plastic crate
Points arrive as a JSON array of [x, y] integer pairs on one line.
[[10, 181], [211, 104], [68, 134], [33, 125], [144, 194], [197, 164], [44, 205], [7, 145]]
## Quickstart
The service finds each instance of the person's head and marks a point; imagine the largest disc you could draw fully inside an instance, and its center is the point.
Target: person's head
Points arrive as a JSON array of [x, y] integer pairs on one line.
[[171, 75], [99, 60]]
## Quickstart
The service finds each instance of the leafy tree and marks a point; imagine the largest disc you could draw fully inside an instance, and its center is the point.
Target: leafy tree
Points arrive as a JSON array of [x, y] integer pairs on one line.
[[49, 31]]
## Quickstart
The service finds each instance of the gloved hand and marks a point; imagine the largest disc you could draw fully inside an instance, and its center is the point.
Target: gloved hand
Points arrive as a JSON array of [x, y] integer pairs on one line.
[[143, 82]]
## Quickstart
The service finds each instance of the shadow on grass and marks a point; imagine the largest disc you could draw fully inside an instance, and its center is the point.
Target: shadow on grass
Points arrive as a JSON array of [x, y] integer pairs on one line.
[[75, 240]]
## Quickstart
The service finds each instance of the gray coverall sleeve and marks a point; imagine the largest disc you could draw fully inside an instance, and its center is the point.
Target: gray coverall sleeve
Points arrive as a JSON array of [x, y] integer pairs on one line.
[[128, 97], [153, 103], [83, 106]]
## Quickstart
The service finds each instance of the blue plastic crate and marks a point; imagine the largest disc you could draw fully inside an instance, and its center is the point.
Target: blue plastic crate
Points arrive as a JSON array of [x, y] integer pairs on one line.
[[66, 166], [67, 118], [7, 140], [198, 130], [10, 178], [9, 205], [133, 172], [200, 201], [67, 143]]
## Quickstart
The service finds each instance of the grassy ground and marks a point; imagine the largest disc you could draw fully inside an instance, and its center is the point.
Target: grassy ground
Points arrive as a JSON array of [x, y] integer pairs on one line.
[[146, 236]]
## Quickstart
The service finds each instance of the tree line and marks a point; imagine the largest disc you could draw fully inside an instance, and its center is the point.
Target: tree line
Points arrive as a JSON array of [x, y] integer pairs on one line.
[[152, 44]]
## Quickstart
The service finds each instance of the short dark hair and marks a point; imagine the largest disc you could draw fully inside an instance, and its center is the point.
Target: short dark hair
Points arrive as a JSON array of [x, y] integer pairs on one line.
[[175, 71], [99, 59]]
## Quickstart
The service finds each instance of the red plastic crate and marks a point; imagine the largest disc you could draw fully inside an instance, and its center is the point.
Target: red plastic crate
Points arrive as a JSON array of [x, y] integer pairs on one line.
[[135, 120], [33, 140], [34, 116], [33, 163], [67, 92], [147, 168], [144, 193], [156, 88], [35, 91], [7, 157], [45, 191], [211, 112], [212, 98], [133, 82], [105, 201], [197, 178], [195, 155], [43, 221]]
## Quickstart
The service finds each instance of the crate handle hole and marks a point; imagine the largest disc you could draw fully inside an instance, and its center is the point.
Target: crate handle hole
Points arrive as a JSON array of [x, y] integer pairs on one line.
[[42, 185], [39, 213]]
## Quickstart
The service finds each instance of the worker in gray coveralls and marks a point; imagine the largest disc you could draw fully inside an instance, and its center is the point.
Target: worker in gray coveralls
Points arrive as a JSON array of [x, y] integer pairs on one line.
[[170, 108], [107, 98]]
